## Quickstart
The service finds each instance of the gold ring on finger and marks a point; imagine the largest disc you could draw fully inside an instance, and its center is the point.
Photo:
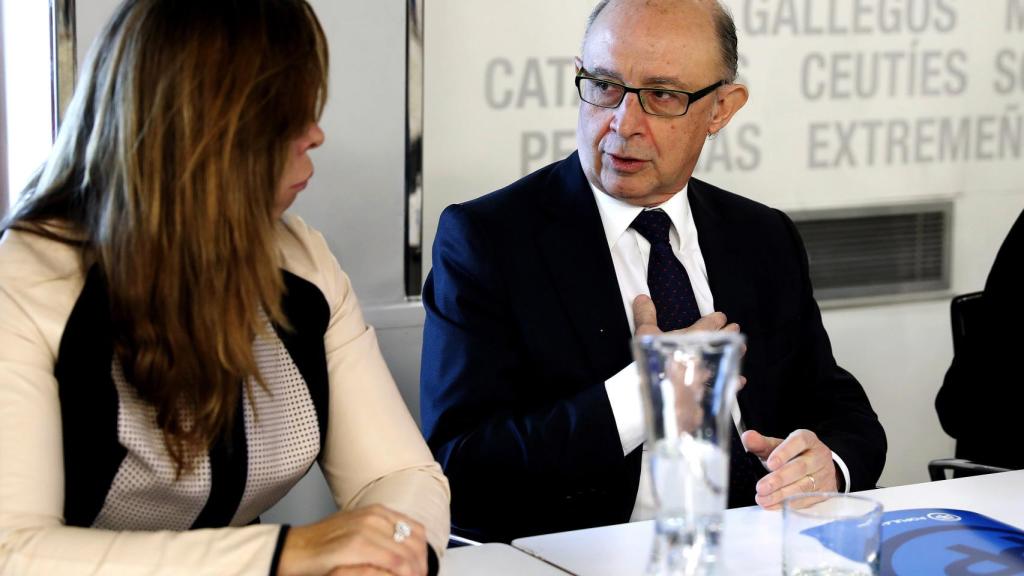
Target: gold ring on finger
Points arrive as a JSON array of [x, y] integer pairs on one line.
[[814, 483]]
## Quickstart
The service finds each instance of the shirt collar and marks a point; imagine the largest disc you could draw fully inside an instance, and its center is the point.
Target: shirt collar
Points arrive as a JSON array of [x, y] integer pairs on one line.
[[616, 215]]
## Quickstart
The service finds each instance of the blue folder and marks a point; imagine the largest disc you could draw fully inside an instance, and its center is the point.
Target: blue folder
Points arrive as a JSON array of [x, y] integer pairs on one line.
[[943, 541]]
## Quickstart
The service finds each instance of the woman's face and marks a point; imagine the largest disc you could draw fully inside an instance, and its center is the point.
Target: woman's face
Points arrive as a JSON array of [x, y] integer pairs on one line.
[[298, 169]]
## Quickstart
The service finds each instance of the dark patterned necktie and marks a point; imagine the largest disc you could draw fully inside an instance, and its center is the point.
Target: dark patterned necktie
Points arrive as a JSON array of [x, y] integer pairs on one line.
[[666, 278]]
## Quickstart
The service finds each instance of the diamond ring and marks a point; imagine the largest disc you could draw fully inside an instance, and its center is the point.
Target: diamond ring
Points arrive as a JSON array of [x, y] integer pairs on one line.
[[402, 531]]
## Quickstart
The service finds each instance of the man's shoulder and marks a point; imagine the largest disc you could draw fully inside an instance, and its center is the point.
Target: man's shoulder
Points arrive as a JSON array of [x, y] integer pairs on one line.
[[732, 208], [524, 197], [721, 201]]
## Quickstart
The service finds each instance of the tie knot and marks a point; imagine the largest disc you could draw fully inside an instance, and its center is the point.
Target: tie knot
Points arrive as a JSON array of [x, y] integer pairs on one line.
[[653, 225]]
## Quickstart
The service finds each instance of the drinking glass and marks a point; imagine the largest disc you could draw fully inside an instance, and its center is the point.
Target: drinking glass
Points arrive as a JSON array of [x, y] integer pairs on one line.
[[830, 533], [688, 383]]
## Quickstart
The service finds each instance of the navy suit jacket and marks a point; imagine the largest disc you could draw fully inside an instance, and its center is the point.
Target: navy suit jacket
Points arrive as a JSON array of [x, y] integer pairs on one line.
[[525, 322]]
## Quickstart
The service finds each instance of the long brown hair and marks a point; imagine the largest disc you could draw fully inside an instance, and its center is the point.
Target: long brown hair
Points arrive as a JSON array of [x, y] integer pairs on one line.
[[165, 172]]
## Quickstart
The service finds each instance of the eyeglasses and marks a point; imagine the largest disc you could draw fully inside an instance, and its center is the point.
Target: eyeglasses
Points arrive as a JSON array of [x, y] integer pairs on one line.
[[654, 101]]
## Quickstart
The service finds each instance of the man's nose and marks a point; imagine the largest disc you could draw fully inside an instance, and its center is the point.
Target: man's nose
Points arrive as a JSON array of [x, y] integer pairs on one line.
[[629, 117]]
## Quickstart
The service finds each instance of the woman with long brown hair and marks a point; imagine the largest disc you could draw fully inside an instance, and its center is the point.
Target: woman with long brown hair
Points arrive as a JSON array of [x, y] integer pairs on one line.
[[175, 352]]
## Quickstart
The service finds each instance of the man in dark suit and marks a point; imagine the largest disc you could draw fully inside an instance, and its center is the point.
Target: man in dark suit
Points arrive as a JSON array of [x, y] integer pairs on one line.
[[980, 399], [528, 396]]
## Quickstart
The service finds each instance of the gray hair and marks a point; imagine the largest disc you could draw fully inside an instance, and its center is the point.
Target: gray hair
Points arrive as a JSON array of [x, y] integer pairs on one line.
[[725, 29]]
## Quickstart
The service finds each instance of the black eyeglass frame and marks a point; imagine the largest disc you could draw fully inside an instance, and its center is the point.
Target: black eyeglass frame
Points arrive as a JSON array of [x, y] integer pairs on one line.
[[691, 97]]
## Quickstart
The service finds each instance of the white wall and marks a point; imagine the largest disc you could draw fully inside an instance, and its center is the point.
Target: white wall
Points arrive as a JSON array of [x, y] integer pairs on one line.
[[899, 352], [26, 95]]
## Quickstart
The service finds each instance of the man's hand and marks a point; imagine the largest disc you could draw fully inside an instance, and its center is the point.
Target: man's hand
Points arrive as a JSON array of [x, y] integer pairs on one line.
[[646, 319], [792, 463]]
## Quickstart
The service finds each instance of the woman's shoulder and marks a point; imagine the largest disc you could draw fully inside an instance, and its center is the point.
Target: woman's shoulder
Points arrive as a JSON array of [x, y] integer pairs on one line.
[[40, 280], [28, 257], [306, 254]]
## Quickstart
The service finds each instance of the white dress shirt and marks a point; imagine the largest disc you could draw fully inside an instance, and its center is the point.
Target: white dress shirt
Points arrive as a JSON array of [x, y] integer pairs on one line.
[[630, 252]]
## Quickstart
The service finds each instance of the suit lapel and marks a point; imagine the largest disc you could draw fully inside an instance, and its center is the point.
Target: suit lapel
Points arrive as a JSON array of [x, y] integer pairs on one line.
[[722, 246], [723, 256], [575, 253]]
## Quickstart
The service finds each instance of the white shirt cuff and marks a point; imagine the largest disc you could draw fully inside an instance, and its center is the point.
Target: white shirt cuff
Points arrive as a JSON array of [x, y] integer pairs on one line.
[[846, 471], [623, 391]]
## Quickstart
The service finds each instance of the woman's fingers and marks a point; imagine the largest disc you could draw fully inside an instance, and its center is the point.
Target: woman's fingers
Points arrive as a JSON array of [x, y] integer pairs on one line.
[[365, 539]]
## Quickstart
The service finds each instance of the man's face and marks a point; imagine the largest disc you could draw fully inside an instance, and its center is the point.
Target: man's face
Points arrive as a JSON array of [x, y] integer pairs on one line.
[[627, 153]]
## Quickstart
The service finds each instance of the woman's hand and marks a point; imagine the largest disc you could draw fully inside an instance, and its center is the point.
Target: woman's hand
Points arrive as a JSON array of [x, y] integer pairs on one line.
[[360, 541]]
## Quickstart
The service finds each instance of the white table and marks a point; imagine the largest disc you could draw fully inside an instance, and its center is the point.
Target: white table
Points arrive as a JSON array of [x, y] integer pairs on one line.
[[752, 542], [494, 560]]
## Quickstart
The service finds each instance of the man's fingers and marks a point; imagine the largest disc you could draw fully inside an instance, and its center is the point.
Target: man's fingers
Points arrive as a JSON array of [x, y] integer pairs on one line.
[[790, 448], [759, 444], [796, 472], [645, 316], [773, 500], [807, 501], [795, 478], [711, 323], [800, 458]]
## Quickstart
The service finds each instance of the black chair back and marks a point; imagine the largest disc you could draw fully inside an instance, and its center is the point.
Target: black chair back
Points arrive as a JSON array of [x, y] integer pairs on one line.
[[964, 311]]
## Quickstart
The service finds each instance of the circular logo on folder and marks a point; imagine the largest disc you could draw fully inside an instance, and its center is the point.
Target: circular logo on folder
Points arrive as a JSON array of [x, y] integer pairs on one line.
[[944, 517]]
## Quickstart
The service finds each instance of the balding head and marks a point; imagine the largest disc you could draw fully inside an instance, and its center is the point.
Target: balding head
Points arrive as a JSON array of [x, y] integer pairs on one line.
[[725, 27], [667, 48]]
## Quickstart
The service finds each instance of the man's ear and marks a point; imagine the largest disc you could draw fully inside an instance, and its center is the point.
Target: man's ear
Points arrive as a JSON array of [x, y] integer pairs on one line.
[[578, 62], [729, 99]]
